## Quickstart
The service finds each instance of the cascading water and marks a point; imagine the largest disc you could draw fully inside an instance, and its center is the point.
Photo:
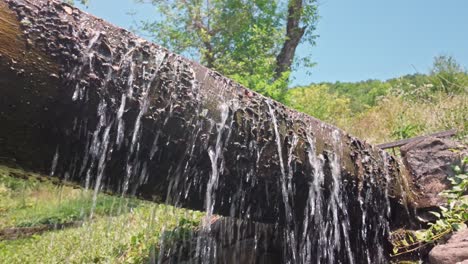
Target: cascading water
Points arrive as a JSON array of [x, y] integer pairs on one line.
[[286, 190], [325, 234], [205, 245], [320, 236], [146, 122]]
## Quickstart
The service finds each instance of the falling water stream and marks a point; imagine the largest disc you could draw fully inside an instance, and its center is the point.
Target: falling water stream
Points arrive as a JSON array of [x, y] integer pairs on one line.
[[285, 191], [321, 235], [142, 123]]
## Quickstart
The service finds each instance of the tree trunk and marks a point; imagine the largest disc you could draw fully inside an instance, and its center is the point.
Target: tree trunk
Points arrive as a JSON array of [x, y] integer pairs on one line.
[[294, 33], [92, 103]]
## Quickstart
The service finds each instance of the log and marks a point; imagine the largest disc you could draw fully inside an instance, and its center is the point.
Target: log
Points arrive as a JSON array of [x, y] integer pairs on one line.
[[399, 143], [92, 103]]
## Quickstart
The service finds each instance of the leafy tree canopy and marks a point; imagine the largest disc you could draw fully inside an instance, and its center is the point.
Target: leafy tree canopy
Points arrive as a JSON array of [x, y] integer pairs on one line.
[[251, 41]]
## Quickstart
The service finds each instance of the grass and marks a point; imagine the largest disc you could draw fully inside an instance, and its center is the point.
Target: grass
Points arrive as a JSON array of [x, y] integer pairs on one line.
[[399, 108], [396, 117], [126, 238], [29, 200], [122, 230]]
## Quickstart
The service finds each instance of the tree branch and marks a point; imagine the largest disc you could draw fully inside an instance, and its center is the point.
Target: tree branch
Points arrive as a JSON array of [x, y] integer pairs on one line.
[[294, 34]]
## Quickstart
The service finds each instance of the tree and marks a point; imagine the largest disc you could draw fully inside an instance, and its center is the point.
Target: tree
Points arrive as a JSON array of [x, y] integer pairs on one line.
[[72, 2], [251, 41], [319, 102], [448, 76]]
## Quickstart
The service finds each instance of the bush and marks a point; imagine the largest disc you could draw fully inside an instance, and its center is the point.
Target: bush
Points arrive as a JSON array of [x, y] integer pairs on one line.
[[319, 102]]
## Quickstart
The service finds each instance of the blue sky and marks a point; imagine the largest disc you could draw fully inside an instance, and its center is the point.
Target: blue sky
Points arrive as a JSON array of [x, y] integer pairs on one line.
[[359, 39]]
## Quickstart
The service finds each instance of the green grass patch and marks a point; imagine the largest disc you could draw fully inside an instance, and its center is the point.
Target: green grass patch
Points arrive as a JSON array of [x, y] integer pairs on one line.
[[122, 230], [29, 200], [127, 238]]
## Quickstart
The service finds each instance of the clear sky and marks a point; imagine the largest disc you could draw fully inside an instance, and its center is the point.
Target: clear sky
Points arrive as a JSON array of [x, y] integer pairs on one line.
[[359, 39]]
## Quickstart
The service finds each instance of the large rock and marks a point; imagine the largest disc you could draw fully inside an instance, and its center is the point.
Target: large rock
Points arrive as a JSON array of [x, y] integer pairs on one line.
[[112, 111], [430, 161], [94, 104], [455, 251]]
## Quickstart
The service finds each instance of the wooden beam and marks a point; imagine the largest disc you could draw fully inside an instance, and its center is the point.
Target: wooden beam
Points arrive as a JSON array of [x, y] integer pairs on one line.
[[399, 143]]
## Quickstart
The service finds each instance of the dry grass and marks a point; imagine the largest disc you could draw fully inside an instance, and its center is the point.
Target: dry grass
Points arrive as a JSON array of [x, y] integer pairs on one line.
[[395, 118]]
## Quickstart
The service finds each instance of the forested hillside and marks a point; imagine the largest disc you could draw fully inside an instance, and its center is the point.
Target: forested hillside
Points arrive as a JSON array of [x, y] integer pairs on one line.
[[403, 107], [254, 56]]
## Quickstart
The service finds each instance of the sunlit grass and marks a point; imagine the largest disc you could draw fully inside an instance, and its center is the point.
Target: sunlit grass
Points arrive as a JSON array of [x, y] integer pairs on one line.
[[27, 200], [121, 239], [396, 117], [122, 230]]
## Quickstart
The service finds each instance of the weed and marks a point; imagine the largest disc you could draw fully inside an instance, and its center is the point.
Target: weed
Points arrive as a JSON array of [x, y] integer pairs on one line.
[[449, 219]]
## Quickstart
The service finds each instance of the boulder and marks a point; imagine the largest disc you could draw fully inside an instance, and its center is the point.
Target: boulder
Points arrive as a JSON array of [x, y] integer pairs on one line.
[[455, 251], [430, 161]]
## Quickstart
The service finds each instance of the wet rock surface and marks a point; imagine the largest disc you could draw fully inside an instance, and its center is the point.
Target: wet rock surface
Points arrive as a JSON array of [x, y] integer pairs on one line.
[[128, 116], [230, 241], [430, 161], [453, 252]]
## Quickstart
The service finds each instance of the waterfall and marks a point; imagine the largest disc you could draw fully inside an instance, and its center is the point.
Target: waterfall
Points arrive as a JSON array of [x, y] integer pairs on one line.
[[285, 192], [285, 182], [133, 119]]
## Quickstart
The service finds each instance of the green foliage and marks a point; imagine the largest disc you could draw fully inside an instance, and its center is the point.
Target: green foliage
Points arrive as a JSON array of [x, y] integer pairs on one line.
[[122, 230], [72, 2], [362, 95], [398, 108], [381, 112], [260, 82], [144, 246], [448, 219], [240, 39], [28, 201], [448, 76], [70, 210], [127, 238], [318, 102], [405, 128]]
